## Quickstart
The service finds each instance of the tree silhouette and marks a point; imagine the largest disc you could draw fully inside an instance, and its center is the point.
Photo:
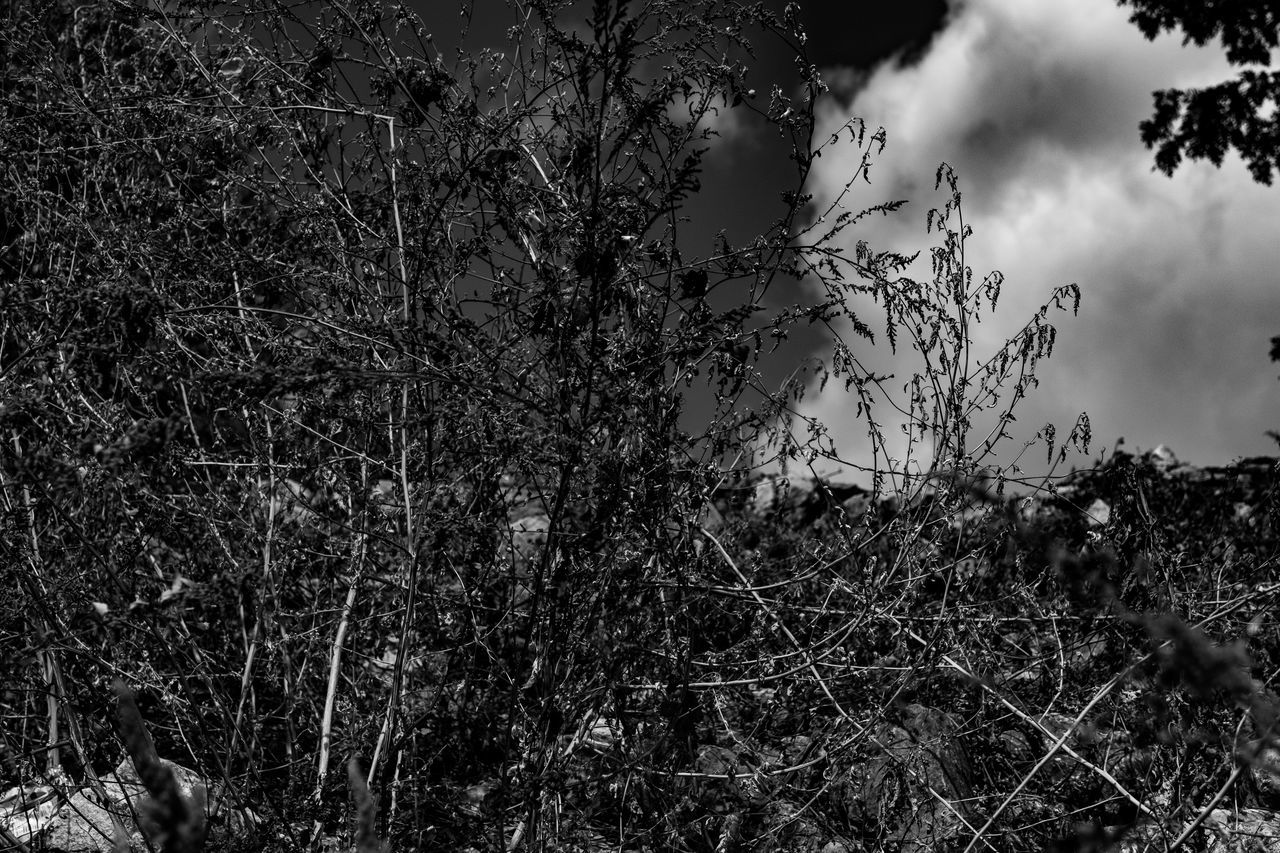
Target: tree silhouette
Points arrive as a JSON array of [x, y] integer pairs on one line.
[[1239, 114]]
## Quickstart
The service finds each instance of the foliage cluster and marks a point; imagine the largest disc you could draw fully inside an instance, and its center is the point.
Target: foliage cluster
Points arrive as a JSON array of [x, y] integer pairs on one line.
[[1238, 115], [1235, 115]]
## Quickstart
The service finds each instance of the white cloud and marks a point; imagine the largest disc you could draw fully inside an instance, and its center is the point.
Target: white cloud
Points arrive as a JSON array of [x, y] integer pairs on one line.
[[1036, 105]]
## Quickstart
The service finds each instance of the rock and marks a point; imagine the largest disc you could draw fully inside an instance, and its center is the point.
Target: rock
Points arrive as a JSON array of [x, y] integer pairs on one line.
[[89, 823], [796, 749], [942, 760], [795, 761], [1098, 514], [779, 495], [1251, 830], [1163, 457], [1086, 652], [123, 784], [25, 811], [84, 826], [800, 501], [857, 506], [710, 518], [1016, 747]]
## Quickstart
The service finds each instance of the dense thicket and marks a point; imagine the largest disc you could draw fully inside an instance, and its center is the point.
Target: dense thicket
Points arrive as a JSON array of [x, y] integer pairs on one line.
[[368, 399]]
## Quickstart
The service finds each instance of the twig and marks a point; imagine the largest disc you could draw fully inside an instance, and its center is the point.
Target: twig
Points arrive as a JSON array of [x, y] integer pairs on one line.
[[1027, 718], [1204, 812], [822, 683], [335, 669]]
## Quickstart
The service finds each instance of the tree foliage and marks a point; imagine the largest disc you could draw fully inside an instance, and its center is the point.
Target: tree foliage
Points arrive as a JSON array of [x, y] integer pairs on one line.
[[1239, 114]]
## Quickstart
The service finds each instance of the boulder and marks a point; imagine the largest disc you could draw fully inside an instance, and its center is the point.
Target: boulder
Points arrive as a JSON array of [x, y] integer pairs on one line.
[[526, 535], [1098, 514], [800, 501], [83, 825], [91, 820]]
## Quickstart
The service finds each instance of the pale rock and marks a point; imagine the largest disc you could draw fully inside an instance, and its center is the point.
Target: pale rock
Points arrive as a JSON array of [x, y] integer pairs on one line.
[[1098, 514], [710, 518], [91, 820], [1243, 830], [1163, 457]]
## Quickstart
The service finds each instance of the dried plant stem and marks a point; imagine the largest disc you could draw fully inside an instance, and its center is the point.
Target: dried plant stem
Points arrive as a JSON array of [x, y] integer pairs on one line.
[[1040, 727], [1053, 750], [1098, 696], [335, 671], [49, 668], [387, 734], [1204, 812], [260, 616], [859, 729], [397, 677], [517, 835]]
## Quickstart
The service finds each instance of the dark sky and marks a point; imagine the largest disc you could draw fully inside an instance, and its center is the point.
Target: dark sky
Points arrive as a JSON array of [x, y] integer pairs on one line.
[[859, 33], [864, 33]]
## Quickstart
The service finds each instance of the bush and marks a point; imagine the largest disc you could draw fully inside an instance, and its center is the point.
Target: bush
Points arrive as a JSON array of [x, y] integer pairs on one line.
[[350, 416]]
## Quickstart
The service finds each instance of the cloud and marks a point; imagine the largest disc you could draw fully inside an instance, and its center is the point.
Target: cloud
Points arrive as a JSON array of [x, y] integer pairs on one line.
[[1037, 107], [713, 113]]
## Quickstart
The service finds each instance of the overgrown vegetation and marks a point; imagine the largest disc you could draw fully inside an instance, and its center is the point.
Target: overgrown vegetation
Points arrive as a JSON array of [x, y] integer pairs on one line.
[[349, 417]]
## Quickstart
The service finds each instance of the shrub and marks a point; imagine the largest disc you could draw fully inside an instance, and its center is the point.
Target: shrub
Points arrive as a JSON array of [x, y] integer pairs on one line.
[[350, 412]]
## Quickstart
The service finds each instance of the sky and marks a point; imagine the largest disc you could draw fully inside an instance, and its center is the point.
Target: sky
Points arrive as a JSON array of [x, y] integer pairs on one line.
[[1036, 105]]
